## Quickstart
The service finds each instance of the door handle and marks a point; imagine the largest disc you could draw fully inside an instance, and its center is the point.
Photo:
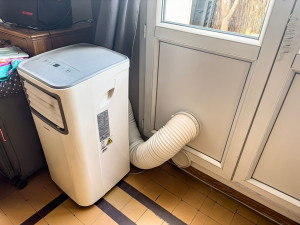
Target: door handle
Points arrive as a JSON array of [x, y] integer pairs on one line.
[[287, 41]]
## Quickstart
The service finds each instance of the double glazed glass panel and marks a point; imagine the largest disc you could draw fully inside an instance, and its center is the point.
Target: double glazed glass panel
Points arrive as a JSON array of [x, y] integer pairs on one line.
[[239, 17]]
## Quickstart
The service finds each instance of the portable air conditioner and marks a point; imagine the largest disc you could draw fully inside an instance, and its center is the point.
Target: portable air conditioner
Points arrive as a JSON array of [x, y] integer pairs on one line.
[[78, 96]]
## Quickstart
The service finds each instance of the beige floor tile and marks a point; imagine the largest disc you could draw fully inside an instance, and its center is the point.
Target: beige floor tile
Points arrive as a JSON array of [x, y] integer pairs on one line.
[[239, 220], [36, 195], [177, 187], [127, 178], [6, 187], [160, 177], [138, 181], [185, 212], [199, 219], [193, 182], [133, 210], [18, 205], [104, 219], [170, 169], [207, 206], [44, 178], [228, 203], [61, 216], [71, 206], [152, 190], [182, 175], [194, 198], [86, 215], [186, 178], [248, 213], [54, 189], [149, 218], [265, 221], [221, 215], [204, 188], [210, 221], [117, 197], [151, 172], [41, 222], [4, 219], [168, 201], [16, 208], [214, 194]]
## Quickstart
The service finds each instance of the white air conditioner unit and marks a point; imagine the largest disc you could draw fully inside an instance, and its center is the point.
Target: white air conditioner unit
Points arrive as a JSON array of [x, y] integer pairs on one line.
[[79, 101]]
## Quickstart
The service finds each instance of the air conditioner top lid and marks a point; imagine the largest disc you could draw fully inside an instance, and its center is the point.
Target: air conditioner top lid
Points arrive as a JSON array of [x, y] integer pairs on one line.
[[68, 66]]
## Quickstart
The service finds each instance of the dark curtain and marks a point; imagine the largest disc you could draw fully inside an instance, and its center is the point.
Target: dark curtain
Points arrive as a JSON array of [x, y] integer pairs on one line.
[[115, 24]]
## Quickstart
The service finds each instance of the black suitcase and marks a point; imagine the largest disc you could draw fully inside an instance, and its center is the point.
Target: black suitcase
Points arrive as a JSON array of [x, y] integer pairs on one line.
[[37, 14], [20, 150]]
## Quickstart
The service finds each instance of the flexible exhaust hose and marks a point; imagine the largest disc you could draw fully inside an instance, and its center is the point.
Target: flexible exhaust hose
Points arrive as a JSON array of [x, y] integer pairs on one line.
[[164, 144]]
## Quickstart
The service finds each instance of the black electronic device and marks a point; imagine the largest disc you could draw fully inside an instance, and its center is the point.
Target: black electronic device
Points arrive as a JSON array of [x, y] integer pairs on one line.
[[37, 14]]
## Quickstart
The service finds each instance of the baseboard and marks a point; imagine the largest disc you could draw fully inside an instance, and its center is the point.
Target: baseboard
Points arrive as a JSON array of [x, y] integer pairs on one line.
[[262, 209]]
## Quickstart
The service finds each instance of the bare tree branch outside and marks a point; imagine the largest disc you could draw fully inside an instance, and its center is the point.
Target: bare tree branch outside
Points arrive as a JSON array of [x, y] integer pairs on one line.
[[239, 16]]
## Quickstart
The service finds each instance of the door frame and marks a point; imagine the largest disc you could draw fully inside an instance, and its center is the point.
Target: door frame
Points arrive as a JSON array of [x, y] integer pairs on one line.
[[260, 53]]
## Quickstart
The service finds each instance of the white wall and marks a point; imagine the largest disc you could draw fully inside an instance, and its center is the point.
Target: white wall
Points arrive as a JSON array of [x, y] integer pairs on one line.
[[81, 10]]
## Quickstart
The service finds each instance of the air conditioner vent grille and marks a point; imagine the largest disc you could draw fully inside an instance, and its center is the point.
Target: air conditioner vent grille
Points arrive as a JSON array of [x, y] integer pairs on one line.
[[44, 104]]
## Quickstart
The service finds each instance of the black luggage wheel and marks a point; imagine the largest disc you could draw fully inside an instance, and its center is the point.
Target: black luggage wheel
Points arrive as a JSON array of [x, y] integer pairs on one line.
[[20, 184]]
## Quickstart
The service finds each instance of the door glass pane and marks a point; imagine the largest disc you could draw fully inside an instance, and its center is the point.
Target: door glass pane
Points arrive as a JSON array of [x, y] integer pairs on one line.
[[239, 17]]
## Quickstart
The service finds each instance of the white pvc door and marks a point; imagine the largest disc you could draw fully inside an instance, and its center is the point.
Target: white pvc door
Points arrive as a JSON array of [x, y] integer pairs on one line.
[[210, 65], [208, 85], [269, 164], [279, 165]]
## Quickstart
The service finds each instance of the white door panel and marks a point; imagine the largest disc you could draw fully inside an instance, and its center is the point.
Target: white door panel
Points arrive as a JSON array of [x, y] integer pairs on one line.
[[205, 84], [279, 164]]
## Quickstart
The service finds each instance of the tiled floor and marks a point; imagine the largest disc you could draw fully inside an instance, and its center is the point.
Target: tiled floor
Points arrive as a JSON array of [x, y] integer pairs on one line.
[[163, 195]]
